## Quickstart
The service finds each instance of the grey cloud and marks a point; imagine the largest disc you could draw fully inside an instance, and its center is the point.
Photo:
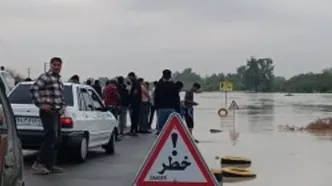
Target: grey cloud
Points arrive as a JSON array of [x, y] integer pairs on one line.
[[116, 36]]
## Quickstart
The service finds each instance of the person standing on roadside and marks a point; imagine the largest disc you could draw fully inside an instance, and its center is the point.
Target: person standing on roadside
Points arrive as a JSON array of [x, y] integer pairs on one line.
[[89, 82], [97, 87], [152, 108], [47, 95], [166, 99], [75, 79], [111, 97], [179, 86], [144, 109], [147, 87], [135, 103], [124, 104], [189, 104]]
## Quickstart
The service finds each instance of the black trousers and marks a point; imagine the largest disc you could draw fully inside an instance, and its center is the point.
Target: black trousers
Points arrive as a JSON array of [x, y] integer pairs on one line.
[[152, 111], [52, 137], [134, 117], [114, 110]]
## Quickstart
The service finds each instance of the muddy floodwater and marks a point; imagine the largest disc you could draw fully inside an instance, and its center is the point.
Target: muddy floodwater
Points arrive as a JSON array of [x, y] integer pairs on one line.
[[278, 158]]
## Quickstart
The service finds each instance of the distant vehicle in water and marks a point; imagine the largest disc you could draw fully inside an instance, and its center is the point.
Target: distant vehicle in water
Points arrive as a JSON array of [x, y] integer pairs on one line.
[[11, 157], [289, 94], [8, 81]]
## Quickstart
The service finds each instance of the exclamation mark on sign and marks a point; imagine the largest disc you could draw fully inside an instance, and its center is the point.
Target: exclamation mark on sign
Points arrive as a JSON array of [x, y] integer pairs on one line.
[[174, 137]]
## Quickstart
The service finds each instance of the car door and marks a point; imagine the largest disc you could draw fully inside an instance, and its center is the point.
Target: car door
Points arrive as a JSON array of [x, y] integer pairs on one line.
[[11, 157], [91, 118], [103, 125]]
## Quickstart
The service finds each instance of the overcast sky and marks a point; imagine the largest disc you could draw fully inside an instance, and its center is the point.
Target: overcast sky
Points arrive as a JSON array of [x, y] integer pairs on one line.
[[113, 37]]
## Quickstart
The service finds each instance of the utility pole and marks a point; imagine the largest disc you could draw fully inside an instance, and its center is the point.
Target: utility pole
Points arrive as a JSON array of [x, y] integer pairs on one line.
[[45, 67], [29, 72]]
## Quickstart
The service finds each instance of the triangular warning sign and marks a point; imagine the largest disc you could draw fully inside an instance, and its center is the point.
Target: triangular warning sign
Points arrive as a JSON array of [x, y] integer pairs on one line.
[[174, 160], [233, 106]]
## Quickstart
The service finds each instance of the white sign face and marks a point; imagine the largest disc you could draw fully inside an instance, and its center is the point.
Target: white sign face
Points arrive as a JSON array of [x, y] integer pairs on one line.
[[174, 160]]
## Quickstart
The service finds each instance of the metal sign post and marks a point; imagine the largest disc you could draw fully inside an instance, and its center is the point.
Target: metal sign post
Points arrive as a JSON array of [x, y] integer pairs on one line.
[[225, 99]]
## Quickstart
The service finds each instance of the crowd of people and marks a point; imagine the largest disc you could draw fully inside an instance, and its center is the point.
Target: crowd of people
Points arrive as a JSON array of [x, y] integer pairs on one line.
[[121, 96], [143, 100]]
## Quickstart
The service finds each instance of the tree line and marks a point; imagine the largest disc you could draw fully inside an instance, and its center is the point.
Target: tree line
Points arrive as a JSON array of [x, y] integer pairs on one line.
[[257, 75]]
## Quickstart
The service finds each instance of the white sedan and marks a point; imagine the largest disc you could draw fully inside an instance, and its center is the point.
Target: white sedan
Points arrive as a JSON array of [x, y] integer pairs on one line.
[[86, 123]]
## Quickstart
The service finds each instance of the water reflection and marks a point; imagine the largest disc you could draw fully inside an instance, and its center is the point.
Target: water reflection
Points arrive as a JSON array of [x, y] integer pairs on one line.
[[234, 136], [322, 135], [260, 113], [312, 107]]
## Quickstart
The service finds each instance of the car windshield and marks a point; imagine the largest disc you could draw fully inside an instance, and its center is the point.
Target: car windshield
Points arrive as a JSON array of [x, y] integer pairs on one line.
[[21, 95]]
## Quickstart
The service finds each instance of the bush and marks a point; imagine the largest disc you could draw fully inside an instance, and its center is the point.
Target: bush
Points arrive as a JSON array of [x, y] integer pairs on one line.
[[320, 124]]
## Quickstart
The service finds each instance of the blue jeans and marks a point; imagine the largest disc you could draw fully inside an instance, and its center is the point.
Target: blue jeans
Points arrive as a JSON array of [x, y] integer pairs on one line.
[[163, 115]]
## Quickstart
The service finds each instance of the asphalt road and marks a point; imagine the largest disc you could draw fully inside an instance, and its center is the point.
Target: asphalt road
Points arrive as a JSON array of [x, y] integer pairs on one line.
[[99, 170]]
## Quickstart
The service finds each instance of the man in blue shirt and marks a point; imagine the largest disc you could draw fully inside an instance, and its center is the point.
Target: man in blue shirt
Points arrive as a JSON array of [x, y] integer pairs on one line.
[[189, 104]]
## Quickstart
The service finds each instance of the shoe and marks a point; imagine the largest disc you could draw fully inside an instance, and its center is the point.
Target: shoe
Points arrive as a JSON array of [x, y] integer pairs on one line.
[[56, 169], [133, 134], [127, 133], [118, 139], [157, 133], [146, 132], [196, 141], [40, 168]]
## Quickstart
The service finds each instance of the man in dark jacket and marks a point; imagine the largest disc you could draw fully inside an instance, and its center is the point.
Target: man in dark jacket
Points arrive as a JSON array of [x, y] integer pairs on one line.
[[135, 103], [97, 87], [124, 104], [166, 99]]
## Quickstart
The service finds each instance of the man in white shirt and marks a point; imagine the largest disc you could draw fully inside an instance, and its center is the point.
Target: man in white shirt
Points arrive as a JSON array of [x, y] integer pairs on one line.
[[153, 109]]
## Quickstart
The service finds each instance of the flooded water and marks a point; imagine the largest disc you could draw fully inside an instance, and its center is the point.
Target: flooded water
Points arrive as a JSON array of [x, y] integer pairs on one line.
[[278, 158]]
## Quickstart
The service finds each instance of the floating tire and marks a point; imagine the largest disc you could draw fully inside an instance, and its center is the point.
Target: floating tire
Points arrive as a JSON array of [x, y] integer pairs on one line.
[[228, 161], [222, 112], [233, 174], [217, 174]]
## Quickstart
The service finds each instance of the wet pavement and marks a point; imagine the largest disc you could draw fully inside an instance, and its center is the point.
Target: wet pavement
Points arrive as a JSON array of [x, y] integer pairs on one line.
[[100, 169]]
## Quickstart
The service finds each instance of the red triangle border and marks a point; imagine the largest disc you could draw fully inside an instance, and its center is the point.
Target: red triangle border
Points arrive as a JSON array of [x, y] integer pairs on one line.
[[174, 121]]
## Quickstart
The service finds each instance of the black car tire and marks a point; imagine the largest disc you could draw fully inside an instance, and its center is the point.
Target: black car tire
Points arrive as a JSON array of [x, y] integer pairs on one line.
[[81, 150], [110, 146]]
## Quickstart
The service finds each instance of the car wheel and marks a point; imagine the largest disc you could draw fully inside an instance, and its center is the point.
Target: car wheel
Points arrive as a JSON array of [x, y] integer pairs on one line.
[[110, 146], [82, 149]]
